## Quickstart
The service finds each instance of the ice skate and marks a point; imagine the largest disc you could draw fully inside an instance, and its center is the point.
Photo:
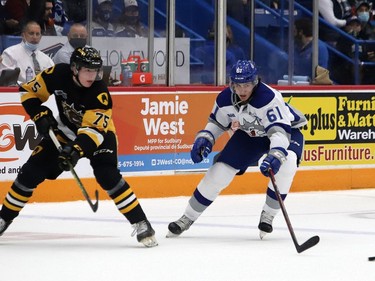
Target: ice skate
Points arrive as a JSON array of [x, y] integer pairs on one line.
[[3, 225], [177, 227], [145, 233], [265, 224]]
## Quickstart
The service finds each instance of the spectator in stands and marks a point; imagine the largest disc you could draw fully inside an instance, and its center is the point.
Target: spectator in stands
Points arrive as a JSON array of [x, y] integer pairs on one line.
[[343, 68], [303, 48], [364, 13], [26, 53], [232, 46], [59, 14], [206, 54], [129, 24], [76, 10], [363, 10], [239, 10], [102, 25], [17, 11], [7, 26], [77, 37], [334, 12], [41, 11]]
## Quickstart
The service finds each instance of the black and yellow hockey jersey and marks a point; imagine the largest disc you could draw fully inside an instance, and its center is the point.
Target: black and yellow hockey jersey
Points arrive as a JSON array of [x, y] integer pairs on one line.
[[82, 112]]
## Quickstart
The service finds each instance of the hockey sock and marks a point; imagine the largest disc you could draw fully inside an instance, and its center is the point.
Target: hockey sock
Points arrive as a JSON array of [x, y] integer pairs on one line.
[[15, 200], [126, 202]]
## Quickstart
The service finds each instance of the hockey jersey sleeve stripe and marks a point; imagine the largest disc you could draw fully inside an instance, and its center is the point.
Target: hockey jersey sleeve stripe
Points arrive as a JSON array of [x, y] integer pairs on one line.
[[96, 136]]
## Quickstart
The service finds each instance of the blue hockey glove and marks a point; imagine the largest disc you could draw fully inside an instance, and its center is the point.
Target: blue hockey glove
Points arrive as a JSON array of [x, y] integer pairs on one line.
[[275, 157], [202, 146], [44, 121], [69, 156]]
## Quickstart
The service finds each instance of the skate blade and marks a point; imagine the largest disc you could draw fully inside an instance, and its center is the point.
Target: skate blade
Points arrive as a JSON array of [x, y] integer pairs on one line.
[[149, 242], [262, 234], [171, 235]]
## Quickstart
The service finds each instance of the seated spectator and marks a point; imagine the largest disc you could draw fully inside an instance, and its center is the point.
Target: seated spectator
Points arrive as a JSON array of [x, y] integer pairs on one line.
[[7, 26], [76, 10], [334, 12], [303, 48], [129, 24], [232, 46], [363, 10], [77, 37], [239, 10], [343, 69], [59, 14], [101, 25], [364, 13], [16, 11], [41, 12], [206, 54], [26, 53]]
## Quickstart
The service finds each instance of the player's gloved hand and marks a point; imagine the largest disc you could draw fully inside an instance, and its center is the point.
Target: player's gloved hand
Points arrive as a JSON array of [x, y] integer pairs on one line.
[[44, 121], [69, 156], [275, 157], [202, 146]]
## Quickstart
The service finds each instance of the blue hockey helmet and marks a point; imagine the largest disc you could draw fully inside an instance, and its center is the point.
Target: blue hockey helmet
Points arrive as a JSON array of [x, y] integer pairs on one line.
[[244, 71]]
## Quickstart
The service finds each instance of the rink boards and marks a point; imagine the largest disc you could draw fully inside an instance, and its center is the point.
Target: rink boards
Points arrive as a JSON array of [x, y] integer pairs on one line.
[[156, 127]]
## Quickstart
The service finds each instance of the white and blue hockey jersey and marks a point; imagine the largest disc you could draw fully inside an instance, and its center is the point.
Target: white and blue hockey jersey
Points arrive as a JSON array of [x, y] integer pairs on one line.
[[265, 115]]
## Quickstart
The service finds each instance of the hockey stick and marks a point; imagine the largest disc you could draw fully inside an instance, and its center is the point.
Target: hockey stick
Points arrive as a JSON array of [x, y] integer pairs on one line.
[[309, 243], [94, 206]]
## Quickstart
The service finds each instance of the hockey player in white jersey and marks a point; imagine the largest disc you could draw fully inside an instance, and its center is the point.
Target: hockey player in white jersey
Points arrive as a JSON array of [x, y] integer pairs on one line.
[[262, 124]]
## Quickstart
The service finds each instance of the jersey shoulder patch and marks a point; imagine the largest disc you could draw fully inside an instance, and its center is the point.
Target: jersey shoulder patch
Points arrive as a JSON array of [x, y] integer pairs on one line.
[[224, 98], [103, 98], [262, 96]]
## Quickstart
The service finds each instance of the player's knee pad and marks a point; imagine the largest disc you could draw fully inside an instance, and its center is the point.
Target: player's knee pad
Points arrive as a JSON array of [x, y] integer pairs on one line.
[[107, 176], [216, 179], [284, 177]]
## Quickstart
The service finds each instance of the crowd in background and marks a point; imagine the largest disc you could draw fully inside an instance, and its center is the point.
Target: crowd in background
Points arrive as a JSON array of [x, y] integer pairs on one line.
[[121, 18], [56, 16]]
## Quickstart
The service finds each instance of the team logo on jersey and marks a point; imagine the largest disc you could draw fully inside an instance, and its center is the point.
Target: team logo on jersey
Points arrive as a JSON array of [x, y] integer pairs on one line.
[[103, 98], [251, 125], [72, 114]]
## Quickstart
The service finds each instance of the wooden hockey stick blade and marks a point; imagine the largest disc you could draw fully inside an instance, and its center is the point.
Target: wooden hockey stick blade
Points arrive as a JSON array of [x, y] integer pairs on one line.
[[94, 206]]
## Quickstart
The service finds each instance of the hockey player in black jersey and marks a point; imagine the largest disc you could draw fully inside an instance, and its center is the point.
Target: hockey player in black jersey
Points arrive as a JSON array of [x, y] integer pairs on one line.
[[84, 127]]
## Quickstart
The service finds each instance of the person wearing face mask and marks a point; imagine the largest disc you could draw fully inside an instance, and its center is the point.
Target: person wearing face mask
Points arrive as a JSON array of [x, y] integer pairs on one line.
[[129, 24], [363, 12], [26, 54], [77, 37], [342, 70], [102, 25]]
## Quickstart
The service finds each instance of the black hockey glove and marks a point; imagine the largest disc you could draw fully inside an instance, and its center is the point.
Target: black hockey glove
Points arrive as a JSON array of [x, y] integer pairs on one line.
[[275, 157], [69, 156], [202, 146], [44, 121]]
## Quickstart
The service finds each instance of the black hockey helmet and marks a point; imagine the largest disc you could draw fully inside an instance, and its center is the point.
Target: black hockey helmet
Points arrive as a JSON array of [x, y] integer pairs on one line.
[[87, 57]]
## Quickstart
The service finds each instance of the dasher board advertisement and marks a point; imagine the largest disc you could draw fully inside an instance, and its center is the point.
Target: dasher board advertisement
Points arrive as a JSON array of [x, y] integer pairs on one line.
[[156, 130]]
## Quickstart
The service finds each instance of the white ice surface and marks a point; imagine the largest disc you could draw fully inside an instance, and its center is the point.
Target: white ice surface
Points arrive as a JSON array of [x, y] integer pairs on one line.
[[68, 242]]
